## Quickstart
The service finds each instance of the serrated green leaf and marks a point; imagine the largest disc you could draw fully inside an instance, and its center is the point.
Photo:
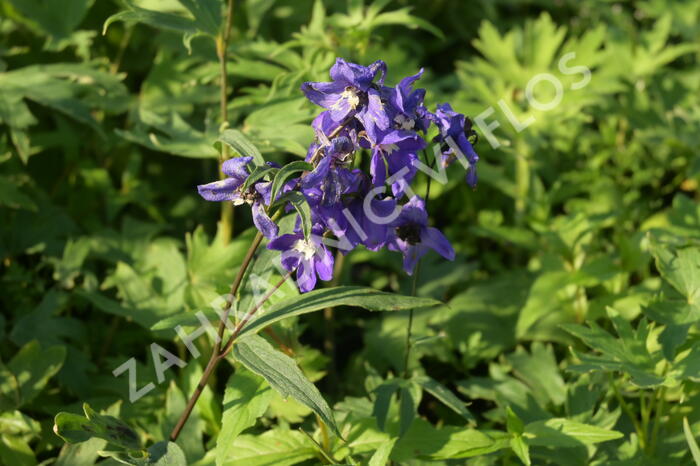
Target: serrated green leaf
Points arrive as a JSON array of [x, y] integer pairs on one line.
[[283, 374], [246, 398]]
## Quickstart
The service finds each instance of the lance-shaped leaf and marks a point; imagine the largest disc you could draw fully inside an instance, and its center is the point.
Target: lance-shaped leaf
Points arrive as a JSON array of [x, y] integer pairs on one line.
[[560, 432], [283, 374], [257, 174], [356, 296], [285, 172], [298, 201], [242, 145], [445, 396]]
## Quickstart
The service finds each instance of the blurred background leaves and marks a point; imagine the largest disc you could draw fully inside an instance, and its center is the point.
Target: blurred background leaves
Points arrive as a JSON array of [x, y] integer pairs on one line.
[[572, 307]]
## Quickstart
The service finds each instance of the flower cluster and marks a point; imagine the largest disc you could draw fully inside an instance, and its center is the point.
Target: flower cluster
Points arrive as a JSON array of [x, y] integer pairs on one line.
[[357, 203]]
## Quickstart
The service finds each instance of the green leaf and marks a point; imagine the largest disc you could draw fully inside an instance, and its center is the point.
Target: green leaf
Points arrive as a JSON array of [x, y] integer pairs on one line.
[[424, 441], [408, 407], [166, 454], [156, 19], [285, 172], [246, 398], [278, 447], [257, 174], [384, 393], [283, 375], [628, 353], [681, 268], [356, 296], [41, 16], [74, 429], [381, 454], [301, 205], [171, 134], [540, 372], [445, 396], [28, 372], [242, 145], [16, 451], [17, 423], [513, 422], [404, 18], [692, 443], [12, 197], [521, 449], [207, 14], [560, 432], [255, 11]]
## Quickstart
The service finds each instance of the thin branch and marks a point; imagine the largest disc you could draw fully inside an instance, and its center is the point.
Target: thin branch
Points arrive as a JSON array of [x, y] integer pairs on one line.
[[250, 314], [214, 358], [414, 285]]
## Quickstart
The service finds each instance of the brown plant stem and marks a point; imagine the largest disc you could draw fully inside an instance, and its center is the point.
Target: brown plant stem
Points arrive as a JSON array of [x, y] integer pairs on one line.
[[213, 359], [217, 355]]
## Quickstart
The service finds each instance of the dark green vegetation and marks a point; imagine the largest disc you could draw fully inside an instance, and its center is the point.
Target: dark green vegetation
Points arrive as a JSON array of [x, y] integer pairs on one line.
[[571, 324]]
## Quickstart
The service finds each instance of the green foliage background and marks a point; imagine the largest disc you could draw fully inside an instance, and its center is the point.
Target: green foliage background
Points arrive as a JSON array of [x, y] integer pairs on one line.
[[570, 323]]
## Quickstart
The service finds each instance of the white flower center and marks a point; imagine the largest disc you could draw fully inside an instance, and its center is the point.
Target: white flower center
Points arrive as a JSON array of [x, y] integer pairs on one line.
[[389, 148], [350, 95], [404, 122], [305, 248]]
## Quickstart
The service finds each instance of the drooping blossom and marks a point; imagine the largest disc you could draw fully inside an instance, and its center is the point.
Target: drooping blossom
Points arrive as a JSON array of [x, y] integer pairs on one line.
[[412, 236], [454, 137], [231, 189]]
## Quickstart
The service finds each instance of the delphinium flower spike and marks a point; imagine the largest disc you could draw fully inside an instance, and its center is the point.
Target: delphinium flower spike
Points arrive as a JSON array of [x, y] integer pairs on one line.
[[356, 204]]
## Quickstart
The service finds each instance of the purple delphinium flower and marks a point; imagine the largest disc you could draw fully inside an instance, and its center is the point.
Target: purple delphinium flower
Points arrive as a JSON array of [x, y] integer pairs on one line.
[[231, 189], [413, 237], [352, 91], [369, 222], [331, 178], [394, 151], [405, 105], [454, 125], [308, 257]]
